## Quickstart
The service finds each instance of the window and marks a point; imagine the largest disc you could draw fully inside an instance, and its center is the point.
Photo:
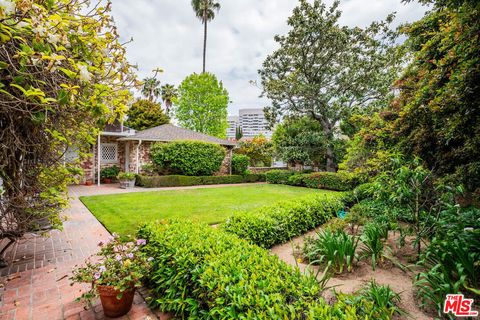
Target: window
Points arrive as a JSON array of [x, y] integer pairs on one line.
[[108, 153]]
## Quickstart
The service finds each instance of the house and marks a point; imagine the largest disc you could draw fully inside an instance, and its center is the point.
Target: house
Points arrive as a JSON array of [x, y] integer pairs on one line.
[[128, 149]]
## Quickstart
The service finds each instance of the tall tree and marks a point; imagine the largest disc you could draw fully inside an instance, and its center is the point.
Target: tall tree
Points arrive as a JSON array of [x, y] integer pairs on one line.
[[323, 70], [205, 11], [145, 114], [202, 104], [169, 92], [151, 88], [439, 107]]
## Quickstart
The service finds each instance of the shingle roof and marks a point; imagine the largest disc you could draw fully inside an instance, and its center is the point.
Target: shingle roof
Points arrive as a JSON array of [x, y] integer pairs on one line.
[[169, 132]]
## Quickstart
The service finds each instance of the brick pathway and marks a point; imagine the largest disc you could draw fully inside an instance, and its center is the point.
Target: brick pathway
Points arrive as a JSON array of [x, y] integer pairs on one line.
[[35, 285]]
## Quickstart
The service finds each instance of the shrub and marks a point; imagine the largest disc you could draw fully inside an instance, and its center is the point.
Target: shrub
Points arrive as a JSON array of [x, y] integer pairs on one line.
[[182, 181], [190, 158], [126, 176], [240, 164], [204, 273], [296, 180], [109, 172], [335, 224], [271, 225], [278, 176], [334, 248], [364, 191], [330, 180]]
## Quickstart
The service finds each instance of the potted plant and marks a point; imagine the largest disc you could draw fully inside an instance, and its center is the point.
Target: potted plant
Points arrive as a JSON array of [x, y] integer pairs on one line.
[[127, 179], [89, 182], [116, 272], [109, 173]]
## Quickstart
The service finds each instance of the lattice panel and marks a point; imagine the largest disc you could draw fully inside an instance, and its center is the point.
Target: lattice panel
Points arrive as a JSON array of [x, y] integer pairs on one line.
[[109, 152]]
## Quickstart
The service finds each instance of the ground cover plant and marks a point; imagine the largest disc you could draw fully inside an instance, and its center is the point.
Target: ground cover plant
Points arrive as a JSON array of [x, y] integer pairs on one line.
[[122, 213]]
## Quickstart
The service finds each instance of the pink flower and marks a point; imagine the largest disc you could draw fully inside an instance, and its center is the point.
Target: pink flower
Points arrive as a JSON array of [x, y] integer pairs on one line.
[[118, 257], [130, 255], [141, 242], [97, 275], [102, 269]]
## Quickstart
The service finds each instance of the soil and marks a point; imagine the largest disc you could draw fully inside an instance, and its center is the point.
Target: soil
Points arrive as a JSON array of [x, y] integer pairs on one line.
[[386, 274]]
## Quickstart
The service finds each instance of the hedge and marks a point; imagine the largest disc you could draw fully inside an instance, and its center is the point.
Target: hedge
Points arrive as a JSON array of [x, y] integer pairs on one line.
[[330, 180], [190, 158], [276, 224], [179, 180], [204, 273], [278, 176]]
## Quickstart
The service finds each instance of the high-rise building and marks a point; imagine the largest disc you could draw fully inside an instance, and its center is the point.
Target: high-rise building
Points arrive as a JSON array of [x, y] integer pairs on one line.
[[251, 121], [232, 126]]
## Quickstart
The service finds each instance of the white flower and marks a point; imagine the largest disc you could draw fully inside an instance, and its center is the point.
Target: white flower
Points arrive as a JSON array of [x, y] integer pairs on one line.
[[53, 38], [40, 30], [22, 24], [7, 6], [84, 76]]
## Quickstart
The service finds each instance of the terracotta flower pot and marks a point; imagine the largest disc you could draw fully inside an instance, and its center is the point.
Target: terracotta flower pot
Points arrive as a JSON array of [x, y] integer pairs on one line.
[[88, 182], [113, 307], [107, 180]]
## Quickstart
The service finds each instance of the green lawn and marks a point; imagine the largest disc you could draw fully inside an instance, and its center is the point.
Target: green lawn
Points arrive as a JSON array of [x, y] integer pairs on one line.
[[122, 213]]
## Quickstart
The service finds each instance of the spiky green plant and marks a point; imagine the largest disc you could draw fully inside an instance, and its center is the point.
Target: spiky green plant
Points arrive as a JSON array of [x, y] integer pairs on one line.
[[333, 247], [372, 240]]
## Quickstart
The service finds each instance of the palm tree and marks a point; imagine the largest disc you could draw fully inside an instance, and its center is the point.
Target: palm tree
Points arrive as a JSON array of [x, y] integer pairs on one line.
[[205, 11], [151, 88], [168, 94]]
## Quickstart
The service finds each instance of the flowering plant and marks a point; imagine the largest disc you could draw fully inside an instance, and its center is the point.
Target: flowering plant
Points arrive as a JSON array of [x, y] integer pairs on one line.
[[119, 263]]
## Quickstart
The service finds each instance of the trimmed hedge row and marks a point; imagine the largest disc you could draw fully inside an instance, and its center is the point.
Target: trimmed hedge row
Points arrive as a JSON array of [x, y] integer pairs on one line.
[[276, 224], [341, 181], [179, 180], [204, 273], [278, 176]]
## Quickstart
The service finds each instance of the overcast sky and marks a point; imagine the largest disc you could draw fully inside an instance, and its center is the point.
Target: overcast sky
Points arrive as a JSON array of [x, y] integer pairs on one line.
[[167, 35]]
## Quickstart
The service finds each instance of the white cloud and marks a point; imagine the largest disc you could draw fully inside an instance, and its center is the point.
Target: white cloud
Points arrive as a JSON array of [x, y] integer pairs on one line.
[[167, 34]]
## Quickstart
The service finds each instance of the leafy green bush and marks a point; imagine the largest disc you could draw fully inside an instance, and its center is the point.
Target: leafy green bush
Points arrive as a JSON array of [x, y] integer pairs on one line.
[[109, 172], [271, 225], [296, 180], [330, 180], [240, 164], [126, 176], [364, 191], [373, 301], [335, 224], [278, 176], [180, 181], [204, 273], [190, 158], [333, 248]]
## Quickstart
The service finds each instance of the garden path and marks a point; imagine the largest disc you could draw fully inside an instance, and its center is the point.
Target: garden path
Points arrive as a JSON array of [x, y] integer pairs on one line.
[[35, 284]]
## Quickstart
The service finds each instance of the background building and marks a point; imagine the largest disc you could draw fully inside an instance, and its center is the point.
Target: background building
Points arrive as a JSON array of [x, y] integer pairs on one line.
[[232, 126], [251, 121]]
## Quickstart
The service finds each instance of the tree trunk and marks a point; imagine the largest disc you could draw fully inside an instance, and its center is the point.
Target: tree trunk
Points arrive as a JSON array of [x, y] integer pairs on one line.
[[330, 158], [204, 42]]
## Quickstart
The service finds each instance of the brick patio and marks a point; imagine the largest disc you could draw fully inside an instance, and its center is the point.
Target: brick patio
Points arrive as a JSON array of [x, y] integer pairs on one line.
[[36, 286]]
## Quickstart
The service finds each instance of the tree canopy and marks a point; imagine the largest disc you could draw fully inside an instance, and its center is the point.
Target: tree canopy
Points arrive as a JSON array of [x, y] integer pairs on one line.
[[324, 71], [145, 114], [300, 141], [63, 74], [259, 150], [202, 104]]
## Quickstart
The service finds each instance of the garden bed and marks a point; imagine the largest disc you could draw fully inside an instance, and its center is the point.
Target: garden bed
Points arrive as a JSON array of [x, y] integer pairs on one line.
[[387, 274]]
